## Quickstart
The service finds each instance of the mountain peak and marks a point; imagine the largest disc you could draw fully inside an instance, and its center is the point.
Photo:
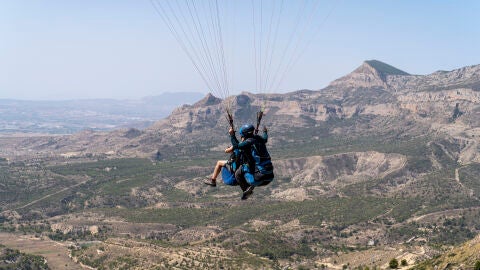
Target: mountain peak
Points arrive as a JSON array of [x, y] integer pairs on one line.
[[208, 100], [371, 73], [384, 68]]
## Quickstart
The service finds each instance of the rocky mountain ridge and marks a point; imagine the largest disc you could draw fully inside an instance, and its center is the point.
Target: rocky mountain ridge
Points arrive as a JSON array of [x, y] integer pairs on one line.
[[442, 102]]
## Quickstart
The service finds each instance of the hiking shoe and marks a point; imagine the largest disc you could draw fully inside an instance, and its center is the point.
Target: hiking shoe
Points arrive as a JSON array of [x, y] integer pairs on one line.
[[210, 182], [247, 193]]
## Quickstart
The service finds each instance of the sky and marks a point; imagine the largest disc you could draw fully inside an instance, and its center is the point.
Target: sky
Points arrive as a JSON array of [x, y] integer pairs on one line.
[[122, 49]]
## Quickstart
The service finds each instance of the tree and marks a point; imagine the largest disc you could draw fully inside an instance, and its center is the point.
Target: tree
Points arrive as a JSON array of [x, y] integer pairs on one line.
[[477, 266], [403, 262], [158, 155], [393, 263], [456, 112]]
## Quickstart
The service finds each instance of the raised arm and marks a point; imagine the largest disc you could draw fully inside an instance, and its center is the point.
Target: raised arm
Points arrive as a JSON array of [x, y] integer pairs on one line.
[[265, 134], [233, 138], [238, 145]]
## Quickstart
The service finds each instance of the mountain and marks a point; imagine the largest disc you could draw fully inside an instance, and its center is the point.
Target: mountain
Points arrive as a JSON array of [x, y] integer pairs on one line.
[[384, 100]]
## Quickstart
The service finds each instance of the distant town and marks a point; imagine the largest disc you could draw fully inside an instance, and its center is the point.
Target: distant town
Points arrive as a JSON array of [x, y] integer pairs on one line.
[[71, 116]]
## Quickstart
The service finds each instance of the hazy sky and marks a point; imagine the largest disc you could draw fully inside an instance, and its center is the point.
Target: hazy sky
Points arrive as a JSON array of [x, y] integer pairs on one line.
[[122, 49]]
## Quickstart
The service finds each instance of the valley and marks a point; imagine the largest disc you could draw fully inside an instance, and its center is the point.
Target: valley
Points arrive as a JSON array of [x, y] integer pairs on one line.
[[379, 165]]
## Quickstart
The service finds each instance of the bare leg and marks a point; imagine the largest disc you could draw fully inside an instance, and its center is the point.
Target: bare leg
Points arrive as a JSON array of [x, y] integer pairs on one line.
[[218, 168]]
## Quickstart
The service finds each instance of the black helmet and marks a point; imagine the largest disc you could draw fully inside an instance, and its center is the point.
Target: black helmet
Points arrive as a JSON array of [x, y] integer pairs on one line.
[[247, 130]]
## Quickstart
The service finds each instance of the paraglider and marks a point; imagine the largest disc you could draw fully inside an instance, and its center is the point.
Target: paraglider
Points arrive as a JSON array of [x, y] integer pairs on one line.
[[257, 170], [250, 164]]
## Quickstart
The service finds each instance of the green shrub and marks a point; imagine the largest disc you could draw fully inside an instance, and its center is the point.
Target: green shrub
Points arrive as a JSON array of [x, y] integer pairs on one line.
[[477, 265], [393, 263]]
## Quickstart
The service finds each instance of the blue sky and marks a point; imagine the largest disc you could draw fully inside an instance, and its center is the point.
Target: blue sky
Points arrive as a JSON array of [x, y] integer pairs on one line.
[[122, 49]]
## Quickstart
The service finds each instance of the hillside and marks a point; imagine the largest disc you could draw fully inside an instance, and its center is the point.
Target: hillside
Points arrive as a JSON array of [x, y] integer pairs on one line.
[[380, 164], [466, 256]]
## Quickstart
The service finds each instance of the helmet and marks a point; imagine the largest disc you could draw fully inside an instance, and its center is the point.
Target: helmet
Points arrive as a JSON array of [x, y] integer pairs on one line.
[[247, 130]]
